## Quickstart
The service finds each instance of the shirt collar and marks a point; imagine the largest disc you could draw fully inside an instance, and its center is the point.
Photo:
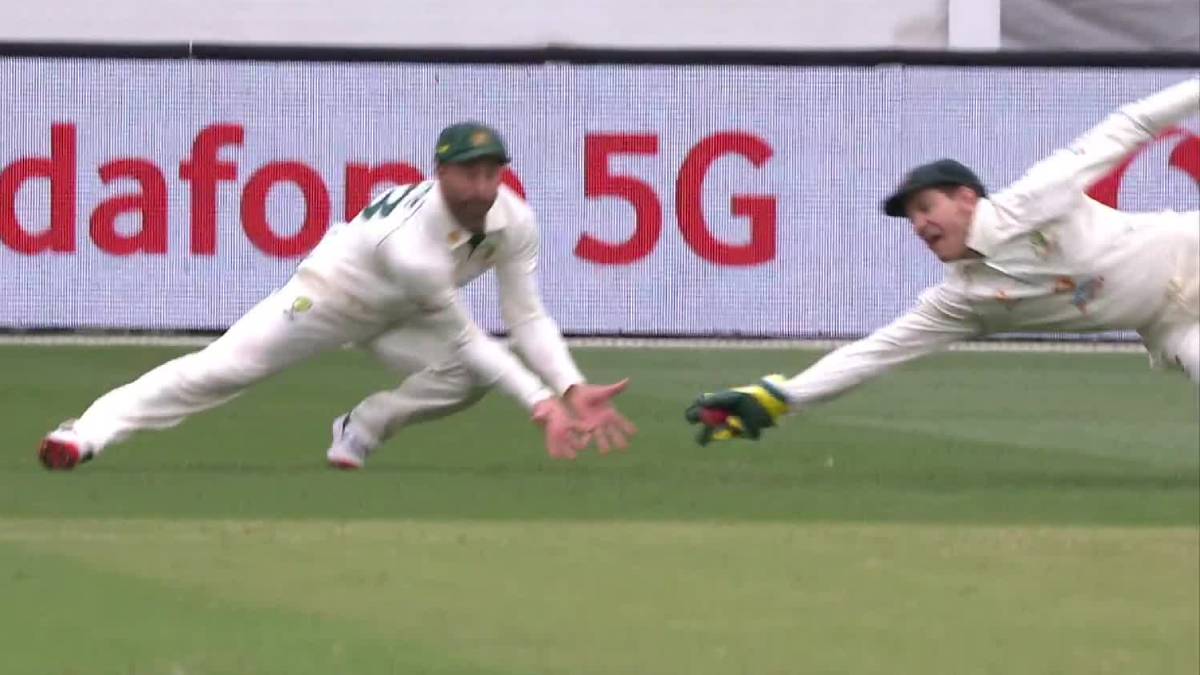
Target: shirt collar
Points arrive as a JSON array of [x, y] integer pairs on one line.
[[984, 225]]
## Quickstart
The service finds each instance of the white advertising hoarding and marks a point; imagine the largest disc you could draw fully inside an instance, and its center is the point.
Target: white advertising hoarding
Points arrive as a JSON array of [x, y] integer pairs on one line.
[[673, 200]]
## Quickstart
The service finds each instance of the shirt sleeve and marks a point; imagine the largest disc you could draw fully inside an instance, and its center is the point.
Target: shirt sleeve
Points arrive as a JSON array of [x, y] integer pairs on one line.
[[536, 335], [1101, 149], [1056, 185], [932, 325], [433, 292], [487, 359]]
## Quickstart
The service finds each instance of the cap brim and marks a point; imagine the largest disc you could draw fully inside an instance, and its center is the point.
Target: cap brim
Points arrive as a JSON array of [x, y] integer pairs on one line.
[[478, 153], [894, 206]]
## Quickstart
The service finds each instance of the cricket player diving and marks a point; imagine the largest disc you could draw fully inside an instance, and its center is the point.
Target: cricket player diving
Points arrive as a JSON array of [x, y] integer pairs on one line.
[[1038, 256], [387, 281]]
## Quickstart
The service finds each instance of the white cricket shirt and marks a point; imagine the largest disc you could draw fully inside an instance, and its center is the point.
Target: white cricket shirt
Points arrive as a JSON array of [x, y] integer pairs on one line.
[[1053, 259], [405, 255]]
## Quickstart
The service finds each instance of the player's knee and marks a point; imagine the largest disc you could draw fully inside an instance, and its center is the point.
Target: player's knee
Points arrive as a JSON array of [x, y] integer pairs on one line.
[[456, 375]]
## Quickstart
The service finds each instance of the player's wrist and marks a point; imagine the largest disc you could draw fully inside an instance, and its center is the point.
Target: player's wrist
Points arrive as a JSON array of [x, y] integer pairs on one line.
[[571, 390], [547, 409], [774, 385], [537, 399]]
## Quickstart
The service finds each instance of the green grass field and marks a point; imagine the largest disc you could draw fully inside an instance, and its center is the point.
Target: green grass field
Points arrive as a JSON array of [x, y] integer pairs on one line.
[[974, 513]]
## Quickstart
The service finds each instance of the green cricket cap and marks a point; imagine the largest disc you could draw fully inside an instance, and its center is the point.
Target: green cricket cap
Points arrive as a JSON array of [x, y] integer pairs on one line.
[[942, 173], [466, 141]]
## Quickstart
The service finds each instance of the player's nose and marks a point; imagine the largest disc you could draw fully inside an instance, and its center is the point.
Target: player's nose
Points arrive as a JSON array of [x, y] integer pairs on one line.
[[918, 225], [486, 193], [482, 188]]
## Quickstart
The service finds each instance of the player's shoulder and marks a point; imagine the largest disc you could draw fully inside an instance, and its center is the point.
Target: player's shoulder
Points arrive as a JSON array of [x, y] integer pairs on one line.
[[414, 193], [1045, 192], [395, 192], [400, 201]]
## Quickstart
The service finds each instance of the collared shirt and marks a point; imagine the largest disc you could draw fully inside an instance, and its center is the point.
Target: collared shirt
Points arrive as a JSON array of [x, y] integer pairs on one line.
[[407, 245], [405, 256], [1052, 259]]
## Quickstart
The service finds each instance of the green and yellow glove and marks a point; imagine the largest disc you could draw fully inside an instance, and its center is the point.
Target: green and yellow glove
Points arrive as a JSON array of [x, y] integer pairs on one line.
[[742, 412]]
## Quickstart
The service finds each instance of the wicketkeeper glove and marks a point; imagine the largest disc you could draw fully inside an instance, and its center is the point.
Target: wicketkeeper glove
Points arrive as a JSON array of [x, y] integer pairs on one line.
[[742, 412]]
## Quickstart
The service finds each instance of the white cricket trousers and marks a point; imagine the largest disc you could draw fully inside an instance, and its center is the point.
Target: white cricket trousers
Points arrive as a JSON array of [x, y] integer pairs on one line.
[[1176, 346], [435, 384], [1187, 352], [292, 324], [1174, 339]]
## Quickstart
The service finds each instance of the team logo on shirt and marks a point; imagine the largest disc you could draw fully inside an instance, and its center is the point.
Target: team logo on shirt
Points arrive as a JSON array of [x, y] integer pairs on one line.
[[299, 306], [1043, 246]]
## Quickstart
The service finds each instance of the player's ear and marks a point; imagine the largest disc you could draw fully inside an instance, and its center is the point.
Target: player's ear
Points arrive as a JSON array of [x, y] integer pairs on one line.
[[967, 196]]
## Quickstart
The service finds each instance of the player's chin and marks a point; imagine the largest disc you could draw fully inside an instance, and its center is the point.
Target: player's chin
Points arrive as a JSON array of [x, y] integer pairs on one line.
[[946, 252]]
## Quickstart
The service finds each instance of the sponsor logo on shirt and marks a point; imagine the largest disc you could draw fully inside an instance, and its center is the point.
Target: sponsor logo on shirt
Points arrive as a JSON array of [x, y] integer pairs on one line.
[[1082, 292]]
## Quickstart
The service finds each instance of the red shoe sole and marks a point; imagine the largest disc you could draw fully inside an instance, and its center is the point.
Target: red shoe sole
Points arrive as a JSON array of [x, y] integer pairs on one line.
[[342, 465], [58, 456]]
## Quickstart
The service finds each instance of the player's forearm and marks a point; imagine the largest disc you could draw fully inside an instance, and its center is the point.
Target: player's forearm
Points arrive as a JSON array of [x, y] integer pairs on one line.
[[848, 367], [493, 364], [938, 321], [488, 361], [541, 343], [1158, 112], [1108, 144]]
